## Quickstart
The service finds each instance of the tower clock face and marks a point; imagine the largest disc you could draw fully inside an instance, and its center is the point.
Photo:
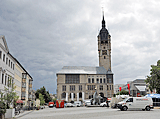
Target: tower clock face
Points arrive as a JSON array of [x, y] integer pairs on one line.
[[104, 52]]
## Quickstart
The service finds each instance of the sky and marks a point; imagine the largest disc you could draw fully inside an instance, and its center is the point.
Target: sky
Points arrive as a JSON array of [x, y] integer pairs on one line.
[[45, 35]]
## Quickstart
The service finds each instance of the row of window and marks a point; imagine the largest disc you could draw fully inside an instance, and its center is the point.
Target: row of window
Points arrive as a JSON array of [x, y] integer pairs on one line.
[[7, 60], [75, 79], [72, 87], [72, 79], [92, 87], [8, 81], [99, 80], [89, 87], [63, 95]]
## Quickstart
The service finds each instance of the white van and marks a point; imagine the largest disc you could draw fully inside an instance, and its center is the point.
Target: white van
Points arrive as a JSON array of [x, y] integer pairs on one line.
[[144, 103]]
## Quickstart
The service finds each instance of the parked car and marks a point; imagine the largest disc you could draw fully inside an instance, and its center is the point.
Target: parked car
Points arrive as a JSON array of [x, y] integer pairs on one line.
[[104, 104], [78, 103], [51, 104], [87, 103], [70, 105], [136, 103]]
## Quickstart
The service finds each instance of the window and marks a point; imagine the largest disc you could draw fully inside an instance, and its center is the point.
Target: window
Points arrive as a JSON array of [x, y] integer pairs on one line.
[[64, 95], [107, 87], [24, 76], [11, 64], [89, 80], [72, 79], [0, 54], [8, 82], [80, 87], [92, 80], [104, 80], [100, 80], [80, 95], [2, 78], [97, 80], [5, 80], [101, 87], [72, 88], [104, 57], [6, 60], [130, 100], [110, 87], [64, 88], [91, 87], [4, 57], [110, 80]]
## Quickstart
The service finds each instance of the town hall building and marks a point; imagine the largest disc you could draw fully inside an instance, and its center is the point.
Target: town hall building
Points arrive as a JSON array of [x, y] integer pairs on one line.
[[79, 83]]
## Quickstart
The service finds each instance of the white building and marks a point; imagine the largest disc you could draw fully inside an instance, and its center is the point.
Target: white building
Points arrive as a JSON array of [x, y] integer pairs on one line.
[[7, 65]]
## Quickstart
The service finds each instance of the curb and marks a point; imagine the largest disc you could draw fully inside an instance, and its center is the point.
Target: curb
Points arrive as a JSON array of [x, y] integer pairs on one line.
[[21, 115]]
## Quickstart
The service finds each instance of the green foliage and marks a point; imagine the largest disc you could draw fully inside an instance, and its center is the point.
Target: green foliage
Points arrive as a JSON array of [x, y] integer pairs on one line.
[[11, 96], [154, 78], [123, 92], [54, 100], [44, 93], [2, 104], [41, 98]]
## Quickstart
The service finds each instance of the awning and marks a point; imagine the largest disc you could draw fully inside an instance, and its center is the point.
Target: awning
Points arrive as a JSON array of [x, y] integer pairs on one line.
[[141, 88], [19, 101]]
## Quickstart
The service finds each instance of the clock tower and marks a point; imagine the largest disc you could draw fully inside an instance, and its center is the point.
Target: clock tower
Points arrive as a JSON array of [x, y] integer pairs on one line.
[[104, 47]]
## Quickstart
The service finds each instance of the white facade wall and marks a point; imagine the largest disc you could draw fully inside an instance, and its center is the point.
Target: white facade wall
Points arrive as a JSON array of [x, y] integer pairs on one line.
[[7, 65]]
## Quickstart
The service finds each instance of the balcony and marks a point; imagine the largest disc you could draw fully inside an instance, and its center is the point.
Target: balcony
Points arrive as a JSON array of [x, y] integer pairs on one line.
[[23, 97], [30, 85], [29, 97], [23, 80], [23, 89]]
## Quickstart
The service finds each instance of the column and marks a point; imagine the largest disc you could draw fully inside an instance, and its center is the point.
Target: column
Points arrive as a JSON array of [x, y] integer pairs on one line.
[[82, 96], [72, 96], [67, 97], [77, 96]]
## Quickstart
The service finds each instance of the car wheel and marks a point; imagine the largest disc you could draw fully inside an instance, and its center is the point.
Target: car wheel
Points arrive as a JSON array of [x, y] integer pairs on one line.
[[147, 108], [124, 108]]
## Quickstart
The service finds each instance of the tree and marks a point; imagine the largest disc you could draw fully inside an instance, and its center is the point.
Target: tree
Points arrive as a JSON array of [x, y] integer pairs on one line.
[[2, 104], [123, 92], [154, 78], [41, 98], [45, 93]]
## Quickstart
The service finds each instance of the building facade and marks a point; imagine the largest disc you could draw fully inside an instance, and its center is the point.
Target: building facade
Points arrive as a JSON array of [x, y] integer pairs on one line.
[[12, 72], [137, 87], [80, 82], [7, 66]]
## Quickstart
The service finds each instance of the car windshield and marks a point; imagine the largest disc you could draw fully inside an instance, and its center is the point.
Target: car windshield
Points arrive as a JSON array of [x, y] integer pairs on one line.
[[125, 99]]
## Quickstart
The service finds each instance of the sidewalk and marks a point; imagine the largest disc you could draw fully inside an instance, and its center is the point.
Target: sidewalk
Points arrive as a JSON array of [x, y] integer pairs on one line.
[[156, 108], [23, 113]]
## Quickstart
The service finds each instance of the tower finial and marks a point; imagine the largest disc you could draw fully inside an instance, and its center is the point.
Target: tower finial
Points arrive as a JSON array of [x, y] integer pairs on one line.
[[103, 21]]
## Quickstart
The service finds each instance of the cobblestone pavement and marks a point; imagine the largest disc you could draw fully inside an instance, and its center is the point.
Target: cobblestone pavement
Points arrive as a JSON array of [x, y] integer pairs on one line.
[[90, 113]]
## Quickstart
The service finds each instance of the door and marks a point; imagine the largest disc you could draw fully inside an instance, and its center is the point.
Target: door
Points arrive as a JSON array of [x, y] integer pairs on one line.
[[130, 103]]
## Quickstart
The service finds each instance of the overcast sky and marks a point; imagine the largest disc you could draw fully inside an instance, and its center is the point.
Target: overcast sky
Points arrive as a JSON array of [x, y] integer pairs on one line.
[[45, 35]]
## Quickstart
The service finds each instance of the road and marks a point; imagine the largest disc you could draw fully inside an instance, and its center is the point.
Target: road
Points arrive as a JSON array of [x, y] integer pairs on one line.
[[90, 113]]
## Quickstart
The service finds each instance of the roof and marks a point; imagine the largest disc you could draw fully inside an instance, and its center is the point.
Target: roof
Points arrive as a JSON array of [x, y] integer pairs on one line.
[[153, 95], [83, 70]]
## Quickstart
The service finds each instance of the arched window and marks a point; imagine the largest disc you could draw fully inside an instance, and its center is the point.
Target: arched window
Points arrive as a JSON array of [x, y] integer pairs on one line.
[[64, 95], [80, 95]]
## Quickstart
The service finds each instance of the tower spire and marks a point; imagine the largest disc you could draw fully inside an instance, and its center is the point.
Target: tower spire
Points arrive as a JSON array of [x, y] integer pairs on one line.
[[103, 21]]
